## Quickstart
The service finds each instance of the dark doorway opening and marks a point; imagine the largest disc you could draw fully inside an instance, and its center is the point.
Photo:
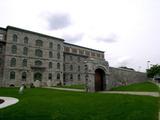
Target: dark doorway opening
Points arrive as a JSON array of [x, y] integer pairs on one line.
[[38, 76], [99, 80]]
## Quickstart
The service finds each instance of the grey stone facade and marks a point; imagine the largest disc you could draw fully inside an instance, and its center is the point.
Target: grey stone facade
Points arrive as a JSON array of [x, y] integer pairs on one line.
[[26, 58]]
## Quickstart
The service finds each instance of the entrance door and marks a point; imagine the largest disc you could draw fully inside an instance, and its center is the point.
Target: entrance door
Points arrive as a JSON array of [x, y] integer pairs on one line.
[[37, 76], [99, 79]]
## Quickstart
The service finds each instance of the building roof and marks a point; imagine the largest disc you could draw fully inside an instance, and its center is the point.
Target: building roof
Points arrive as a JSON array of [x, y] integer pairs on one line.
[[15, 28], [83, 47]]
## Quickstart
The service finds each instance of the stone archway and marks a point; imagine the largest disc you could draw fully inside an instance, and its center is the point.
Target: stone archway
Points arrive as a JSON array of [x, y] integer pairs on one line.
[[99, 80]]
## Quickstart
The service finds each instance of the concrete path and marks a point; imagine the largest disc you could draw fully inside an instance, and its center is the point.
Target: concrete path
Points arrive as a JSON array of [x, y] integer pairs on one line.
[[154, 94], [67, 89], [8, 101]]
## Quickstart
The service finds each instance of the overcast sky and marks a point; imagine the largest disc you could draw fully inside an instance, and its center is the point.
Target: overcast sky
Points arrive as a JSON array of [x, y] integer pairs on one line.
[[127, 30]]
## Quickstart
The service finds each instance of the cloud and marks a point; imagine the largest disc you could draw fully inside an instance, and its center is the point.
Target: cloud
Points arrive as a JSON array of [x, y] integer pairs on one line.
[[73, 37], [59, 21], [124, 61], [111, 38]]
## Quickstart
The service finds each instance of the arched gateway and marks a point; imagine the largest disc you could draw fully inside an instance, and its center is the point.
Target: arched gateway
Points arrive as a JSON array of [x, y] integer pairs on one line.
[[100, 84]]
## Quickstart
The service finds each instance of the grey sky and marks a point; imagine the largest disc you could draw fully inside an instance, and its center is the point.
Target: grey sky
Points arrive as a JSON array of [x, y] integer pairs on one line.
[[127, 30]]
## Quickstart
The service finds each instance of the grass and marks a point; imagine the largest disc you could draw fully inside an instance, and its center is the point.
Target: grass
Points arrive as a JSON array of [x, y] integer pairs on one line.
[[48, 104], [76, 86], [145, 86]]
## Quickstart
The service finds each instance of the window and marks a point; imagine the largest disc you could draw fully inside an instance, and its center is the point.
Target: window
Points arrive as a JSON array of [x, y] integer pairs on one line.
[[58, 55], [58, 76], [38, 53], [13, 62], [1, 62], [79, 77], [14, 49], [1, 36], [71, 67], [38, 63], [50, 54], [74, 50], [87, 53], [50, 65], [15, 38], [86, 67], [25, 51], [58, 65], [51, 45], [71, 58], [26, 40], [12, 75], [50, 76], [64, 67], [66, 49], [79, 68], [58, 47], [81, 52], [71, 77], [79, 59], [39, 43], [24, 63], [24, 76], [1, 49]]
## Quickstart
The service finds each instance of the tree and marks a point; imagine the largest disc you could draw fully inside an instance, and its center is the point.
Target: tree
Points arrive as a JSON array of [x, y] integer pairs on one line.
[[154, 70]]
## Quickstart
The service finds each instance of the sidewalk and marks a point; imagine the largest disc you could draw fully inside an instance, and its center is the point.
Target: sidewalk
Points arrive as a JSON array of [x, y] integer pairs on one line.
[[67, 89], [154, 94]]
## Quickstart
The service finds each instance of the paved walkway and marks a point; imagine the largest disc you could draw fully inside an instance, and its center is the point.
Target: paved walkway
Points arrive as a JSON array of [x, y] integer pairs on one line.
[[67, 89], [8, 101], [154, 94]]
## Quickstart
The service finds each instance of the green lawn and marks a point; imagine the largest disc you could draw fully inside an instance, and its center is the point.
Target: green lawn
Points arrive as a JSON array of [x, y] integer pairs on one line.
[[146, 86], [76, 86], [48, 104]]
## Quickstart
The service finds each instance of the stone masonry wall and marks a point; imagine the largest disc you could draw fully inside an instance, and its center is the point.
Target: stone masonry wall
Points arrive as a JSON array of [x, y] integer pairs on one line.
[[120, 77]]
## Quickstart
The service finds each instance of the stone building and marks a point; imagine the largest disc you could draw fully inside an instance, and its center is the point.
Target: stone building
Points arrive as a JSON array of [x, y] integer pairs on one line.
[[28, 57]]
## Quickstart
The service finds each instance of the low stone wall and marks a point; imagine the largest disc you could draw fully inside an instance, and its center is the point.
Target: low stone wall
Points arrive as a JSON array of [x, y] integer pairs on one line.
[[120, 77]]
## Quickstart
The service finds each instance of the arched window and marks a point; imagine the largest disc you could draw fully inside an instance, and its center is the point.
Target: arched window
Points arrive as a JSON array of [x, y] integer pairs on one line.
[[50, 65], [50, 54], [24, 76], [1, 49], [13, 62], [51, 45], [1, 62], [79, 77], [58, 47], [38, 53], [15, 38], [24, 63], [71, 77], [71, 67], [14, 49], [79, 68], [58, 65], [39, 43], [38, 76], [25, 51], [12, 75], [58, 76], [26, 40], [50, 76], [38, 63], [58, 55]]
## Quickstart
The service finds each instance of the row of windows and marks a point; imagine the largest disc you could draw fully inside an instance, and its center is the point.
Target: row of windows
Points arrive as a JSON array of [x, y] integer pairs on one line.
[[82, 52], [24, 63], [38, 42], [38, 52], [71, 68], [71, 77], [24, 76], [1, 49]]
